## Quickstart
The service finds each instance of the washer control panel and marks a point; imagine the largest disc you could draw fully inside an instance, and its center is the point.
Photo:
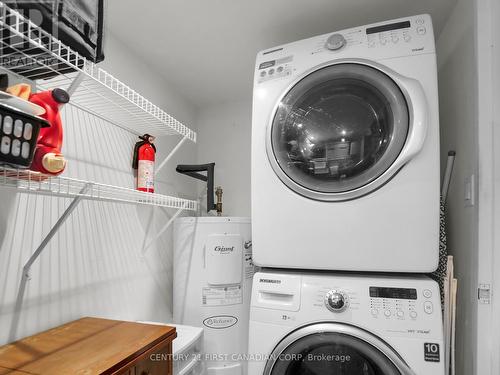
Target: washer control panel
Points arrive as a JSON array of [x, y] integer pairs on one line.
[[399, 306], [400, 303]]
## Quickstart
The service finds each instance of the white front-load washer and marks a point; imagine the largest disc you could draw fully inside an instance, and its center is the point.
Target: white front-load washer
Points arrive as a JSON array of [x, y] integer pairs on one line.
[[344, 324], [345, 151]]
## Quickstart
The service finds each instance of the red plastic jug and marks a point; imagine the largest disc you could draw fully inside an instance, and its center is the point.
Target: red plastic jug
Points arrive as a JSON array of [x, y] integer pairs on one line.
[[48, 158]]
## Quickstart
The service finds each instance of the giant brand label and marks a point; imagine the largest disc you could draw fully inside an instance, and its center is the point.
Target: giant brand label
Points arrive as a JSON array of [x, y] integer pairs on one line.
[[223, 249]]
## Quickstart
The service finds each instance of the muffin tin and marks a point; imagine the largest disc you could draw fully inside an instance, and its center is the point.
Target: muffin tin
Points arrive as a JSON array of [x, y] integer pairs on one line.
[[18, 136]]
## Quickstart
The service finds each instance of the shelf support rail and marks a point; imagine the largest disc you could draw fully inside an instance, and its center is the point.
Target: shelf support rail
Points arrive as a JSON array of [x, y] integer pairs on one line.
[[53, 231], [161, 231], [26, 269], [75, 83], [169, 156]]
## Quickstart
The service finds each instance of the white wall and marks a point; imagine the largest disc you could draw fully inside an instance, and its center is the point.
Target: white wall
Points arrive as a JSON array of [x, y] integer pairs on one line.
[[457, 93], [488, 100], [493, 13], [93, 265], [224, 138]]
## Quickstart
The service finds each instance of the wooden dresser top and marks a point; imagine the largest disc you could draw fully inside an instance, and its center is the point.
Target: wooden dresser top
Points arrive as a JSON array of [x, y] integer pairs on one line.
[[85, 346]]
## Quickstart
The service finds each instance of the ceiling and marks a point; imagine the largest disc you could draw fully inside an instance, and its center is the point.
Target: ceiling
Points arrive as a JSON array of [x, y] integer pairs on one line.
[[206, 48]]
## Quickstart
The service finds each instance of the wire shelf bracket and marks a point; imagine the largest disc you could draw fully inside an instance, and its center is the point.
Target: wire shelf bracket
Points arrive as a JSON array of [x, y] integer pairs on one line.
[[169, 156], [36, 254], [161, 231], [74, 203]]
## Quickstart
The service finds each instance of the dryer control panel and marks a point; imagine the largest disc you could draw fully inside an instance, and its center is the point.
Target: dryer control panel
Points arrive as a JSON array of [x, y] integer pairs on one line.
[[397, 38], [411, 32]]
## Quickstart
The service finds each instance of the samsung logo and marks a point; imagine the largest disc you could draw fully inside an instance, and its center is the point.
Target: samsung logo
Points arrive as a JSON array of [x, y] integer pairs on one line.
[[270, 281], [417, 49], [220, 321]]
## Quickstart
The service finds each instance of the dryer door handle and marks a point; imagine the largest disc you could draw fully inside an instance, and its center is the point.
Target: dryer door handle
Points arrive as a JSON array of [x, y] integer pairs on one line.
[[419, 118]]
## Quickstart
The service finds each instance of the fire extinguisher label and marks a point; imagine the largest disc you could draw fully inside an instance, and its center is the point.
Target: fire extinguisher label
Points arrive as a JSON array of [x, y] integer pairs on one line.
[[145, 174]]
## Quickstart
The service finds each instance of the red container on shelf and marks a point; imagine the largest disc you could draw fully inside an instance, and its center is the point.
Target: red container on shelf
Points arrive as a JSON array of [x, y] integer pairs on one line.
[[48, 158], [144, 162]]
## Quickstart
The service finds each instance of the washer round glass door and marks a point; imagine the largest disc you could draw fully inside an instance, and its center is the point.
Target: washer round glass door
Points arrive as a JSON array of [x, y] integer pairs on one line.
[[333, 348], [338, 129]]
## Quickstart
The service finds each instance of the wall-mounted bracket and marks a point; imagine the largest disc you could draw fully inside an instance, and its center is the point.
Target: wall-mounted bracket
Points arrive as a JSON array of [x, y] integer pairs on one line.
[[161, 231], [195, 172], [75, 83], [53, 231], [27, 266], [169, 156]]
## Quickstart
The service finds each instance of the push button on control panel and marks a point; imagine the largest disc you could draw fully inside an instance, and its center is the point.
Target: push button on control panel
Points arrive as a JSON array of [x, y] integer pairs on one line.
[[421, 30], [427, 293], [428, 308]]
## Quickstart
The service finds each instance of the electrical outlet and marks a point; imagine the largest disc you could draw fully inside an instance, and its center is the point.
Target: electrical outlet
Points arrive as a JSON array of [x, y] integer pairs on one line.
[[469, 191]]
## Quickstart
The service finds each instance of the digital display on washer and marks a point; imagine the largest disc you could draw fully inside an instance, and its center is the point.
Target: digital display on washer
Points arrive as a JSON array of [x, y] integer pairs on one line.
[[398, 293], [388, 27]]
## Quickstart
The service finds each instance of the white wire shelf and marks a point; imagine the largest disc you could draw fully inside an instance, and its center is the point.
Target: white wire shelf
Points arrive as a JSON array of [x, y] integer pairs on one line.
[[27, 181], [30, 53]]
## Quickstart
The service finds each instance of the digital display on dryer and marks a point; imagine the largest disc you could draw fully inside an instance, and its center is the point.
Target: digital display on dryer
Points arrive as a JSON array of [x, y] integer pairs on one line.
[[388, 27], [396, 293]]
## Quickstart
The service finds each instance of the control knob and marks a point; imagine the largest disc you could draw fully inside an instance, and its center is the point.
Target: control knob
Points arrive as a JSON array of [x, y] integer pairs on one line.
[[336, 301], [335, 42]]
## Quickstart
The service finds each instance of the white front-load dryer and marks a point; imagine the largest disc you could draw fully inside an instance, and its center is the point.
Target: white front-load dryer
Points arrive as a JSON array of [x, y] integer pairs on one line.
[[344, 324], [345, 151]]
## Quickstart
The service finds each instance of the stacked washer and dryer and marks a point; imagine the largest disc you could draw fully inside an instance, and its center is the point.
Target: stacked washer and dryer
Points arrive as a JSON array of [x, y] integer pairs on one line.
[[345, 204]]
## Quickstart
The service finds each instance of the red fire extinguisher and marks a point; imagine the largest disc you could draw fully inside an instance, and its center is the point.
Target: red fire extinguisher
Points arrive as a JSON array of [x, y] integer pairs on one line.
[[144, 163], [48, 158]]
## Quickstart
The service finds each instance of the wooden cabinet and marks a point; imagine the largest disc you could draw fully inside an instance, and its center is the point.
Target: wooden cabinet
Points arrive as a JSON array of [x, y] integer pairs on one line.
[[92, 346]]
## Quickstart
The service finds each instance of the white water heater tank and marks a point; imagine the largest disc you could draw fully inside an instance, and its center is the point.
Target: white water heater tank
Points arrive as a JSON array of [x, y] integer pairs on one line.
[[213, 272]]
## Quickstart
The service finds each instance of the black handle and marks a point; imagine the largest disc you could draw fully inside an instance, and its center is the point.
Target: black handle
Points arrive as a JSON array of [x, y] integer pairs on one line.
[[193, 170], [4, 82]]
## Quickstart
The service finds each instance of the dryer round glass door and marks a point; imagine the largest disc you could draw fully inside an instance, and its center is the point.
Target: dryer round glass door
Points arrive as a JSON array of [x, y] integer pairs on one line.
[[336, 130], [332, 348]]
